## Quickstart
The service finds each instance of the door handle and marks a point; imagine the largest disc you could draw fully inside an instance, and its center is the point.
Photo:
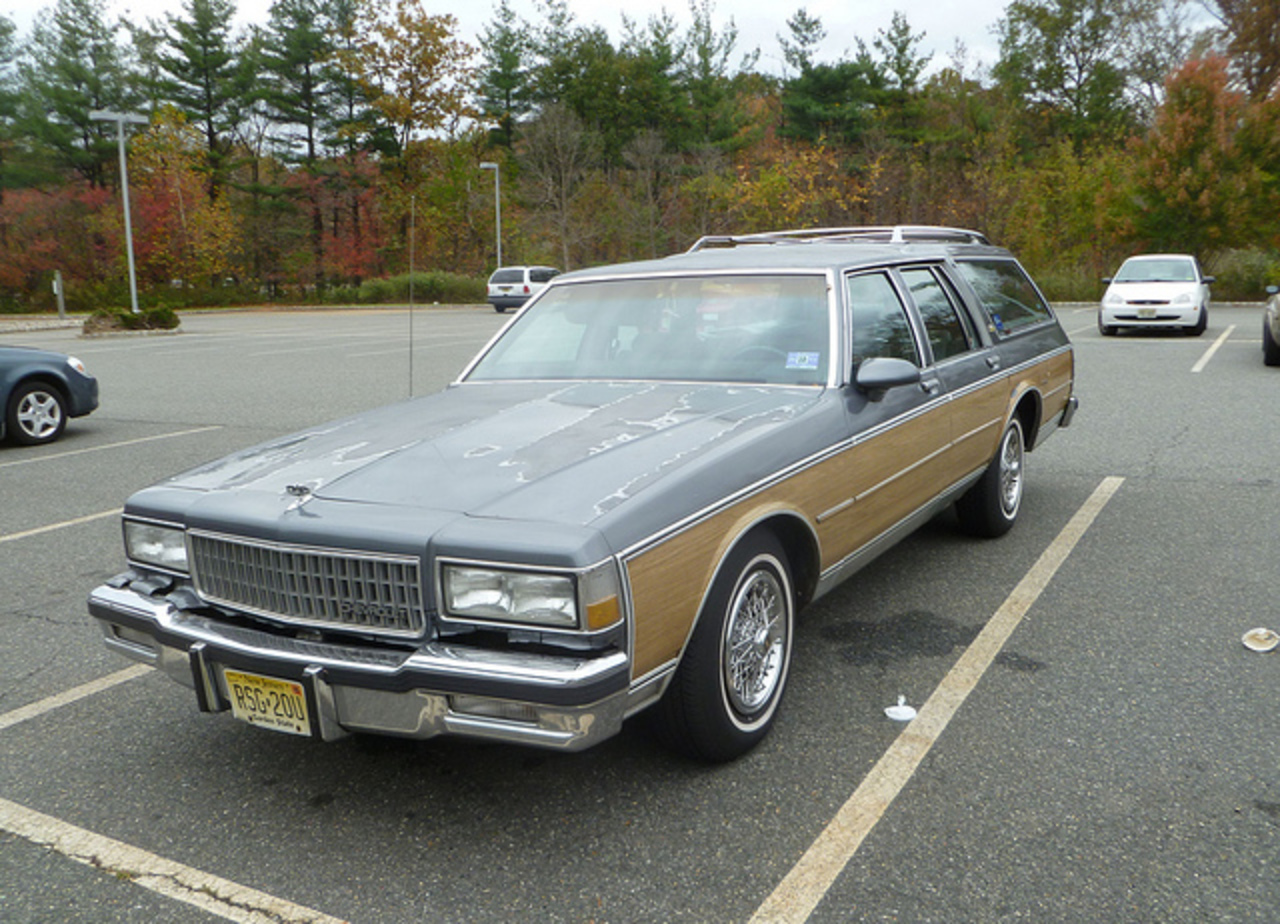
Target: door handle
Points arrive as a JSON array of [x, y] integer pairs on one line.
[[993, 362], [930, 386]]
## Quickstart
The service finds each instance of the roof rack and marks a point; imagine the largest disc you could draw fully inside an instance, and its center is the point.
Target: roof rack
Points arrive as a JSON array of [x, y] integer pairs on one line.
[[881, 234]]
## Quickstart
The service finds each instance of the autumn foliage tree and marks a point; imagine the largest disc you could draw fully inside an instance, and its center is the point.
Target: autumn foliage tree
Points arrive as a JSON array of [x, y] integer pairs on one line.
[[183, 233], [340, 131], [1194, 189]]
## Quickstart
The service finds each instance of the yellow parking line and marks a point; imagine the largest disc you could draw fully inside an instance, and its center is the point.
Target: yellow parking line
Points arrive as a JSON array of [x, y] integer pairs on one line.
[[27, 533], [79, 452], [1208, 354], [50, 703], [213, 894], [804, 886]]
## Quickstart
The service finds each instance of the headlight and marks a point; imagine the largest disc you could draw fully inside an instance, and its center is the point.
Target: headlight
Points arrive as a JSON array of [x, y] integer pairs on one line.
[[77, 365], [153, 544], [1113, 300], [560, 601], [1183, 299]]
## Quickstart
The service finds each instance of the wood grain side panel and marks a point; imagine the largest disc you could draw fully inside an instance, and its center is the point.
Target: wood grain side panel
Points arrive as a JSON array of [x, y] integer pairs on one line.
[[886, 478], [669, 580], [977, 419]]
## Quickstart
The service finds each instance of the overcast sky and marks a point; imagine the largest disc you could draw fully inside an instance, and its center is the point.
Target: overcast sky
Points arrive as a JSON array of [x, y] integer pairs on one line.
[[759, 22]]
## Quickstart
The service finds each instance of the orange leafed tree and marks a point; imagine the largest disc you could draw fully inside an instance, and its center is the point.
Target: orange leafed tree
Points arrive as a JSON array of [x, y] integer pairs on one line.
[[1194, 188], [180, 232], [413, 69]]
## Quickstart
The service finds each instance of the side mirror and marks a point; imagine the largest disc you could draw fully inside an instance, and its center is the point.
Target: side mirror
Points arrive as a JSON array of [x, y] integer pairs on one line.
[[877, 375], [1106, 280], [1209, 280], [1272, 290]]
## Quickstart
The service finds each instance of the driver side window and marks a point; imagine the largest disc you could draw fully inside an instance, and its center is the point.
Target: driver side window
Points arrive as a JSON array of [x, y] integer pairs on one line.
[[880, 324]]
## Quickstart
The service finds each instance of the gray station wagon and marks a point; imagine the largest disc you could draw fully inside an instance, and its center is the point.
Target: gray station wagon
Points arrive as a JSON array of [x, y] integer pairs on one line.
[[619, 506]]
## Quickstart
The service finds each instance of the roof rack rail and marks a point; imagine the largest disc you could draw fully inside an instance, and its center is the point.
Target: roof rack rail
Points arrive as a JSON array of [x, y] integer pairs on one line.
[[884, 234]]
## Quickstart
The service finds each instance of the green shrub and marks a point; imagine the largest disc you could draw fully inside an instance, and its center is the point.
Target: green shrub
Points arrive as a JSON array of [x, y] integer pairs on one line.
[[1243, 275], [428, 287], [1068, 284], [109, 319]]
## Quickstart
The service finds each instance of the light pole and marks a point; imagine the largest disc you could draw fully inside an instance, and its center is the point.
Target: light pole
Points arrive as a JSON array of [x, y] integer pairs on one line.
[[497, 204], [120, 118]]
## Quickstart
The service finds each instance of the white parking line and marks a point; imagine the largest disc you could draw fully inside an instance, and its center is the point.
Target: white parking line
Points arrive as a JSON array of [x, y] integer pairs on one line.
[[27, 533], [802, 889], [79, 452], [213, 894], [1208, 354], [57, 701]]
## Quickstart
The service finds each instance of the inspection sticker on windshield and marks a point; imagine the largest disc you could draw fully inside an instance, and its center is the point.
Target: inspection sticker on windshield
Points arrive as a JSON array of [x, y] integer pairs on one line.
[[280, 705], [803, 360]]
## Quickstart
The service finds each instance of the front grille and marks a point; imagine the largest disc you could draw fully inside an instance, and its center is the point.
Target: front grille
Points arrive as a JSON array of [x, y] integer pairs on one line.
[[304, 585]]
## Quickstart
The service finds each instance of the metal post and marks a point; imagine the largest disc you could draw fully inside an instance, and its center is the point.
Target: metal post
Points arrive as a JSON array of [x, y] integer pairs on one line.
[[57, 290], [120, 118], [497, 204]]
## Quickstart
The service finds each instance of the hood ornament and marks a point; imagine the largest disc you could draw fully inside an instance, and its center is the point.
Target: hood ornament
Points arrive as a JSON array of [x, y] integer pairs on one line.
[[301, 493]]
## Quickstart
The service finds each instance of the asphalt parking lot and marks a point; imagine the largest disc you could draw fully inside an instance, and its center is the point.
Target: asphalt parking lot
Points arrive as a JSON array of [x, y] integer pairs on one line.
[[1094, 744]]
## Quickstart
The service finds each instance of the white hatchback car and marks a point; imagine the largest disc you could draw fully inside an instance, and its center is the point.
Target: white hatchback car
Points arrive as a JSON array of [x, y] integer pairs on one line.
[[512, 286], [1156, 290]]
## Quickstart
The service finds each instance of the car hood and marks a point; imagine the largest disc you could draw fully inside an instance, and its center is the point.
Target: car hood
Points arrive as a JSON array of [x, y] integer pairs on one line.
[[544, 451], [23, 354]]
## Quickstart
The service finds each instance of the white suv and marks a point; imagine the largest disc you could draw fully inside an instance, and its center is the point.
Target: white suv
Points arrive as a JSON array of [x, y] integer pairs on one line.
[[1156, 290], [512, 286]]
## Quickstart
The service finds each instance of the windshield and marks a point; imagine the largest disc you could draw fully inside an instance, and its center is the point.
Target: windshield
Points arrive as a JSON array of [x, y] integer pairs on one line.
[[1173, 270], [750, 328]]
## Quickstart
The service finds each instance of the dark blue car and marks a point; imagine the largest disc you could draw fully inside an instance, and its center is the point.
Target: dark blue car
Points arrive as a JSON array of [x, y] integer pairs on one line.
[[39, 390]]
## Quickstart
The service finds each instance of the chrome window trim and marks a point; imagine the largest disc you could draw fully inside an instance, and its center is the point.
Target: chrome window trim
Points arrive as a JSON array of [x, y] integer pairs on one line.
[[834, 345]]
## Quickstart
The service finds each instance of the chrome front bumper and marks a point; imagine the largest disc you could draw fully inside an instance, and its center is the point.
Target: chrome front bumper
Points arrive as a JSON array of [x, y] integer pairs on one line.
[[564, 703]]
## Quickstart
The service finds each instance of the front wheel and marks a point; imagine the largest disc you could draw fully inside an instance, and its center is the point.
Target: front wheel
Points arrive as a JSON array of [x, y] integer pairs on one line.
[[37, 414], [1270, 349], [1201, 325], [1107, 330], [725, 693], [990, 507]]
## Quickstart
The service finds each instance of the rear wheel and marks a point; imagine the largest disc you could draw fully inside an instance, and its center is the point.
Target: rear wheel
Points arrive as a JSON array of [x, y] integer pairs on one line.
[[37, 414], [725, 693], [990, 507]]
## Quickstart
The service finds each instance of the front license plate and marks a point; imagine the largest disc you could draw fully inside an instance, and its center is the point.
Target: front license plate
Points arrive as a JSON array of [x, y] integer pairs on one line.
[[1146, 312], [280, 705]]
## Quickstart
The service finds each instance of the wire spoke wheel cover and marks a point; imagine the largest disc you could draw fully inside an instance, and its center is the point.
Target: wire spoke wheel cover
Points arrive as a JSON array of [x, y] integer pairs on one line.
[[990, 507], [1011, 472], [755, 641], [723, 698]]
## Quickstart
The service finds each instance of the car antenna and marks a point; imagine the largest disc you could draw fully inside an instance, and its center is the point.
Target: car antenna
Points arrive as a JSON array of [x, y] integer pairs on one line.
[[412, 219]]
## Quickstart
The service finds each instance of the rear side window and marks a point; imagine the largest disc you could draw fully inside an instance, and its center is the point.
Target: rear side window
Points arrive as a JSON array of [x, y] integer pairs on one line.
[[542, 274], [880, 325], [949, 335], [507, 275], [1006, 293]]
